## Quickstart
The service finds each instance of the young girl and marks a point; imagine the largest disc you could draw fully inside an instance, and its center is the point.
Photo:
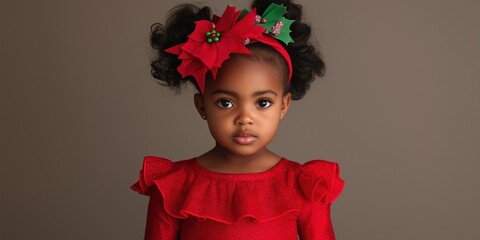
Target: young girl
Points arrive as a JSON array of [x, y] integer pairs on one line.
[[247, 66]]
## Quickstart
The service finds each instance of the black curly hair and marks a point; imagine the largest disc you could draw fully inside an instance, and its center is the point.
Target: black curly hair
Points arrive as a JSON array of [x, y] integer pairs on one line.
[[306, 60]]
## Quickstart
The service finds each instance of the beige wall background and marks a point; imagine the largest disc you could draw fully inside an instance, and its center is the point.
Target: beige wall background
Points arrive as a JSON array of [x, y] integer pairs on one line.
[[398, 109]]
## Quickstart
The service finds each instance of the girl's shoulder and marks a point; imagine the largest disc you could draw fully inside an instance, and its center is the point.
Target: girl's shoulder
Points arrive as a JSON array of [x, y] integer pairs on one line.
[[320, 181], [155, 168]]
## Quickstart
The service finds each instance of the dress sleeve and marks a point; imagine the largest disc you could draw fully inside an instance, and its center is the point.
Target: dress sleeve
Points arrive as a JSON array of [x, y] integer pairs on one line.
[[321, 184], [314, 222], [160, 225]]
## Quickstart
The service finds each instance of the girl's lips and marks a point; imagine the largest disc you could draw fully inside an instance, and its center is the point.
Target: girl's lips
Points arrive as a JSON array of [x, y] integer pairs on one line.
[[244, 138]]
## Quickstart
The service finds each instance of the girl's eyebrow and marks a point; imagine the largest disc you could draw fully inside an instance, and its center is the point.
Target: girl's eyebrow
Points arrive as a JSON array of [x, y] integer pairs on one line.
[[264, 92], [231, 93], [221, 91]]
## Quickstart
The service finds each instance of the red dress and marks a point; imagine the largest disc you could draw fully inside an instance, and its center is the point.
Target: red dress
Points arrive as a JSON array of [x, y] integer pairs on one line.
[[188, 201]]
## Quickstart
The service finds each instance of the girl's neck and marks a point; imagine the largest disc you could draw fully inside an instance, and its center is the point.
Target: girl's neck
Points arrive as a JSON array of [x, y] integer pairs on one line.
[[221, 160]]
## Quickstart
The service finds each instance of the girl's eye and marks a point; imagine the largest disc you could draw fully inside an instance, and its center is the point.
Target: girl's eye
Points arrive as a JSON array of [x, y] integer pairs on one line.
[[225, 103], [264, 103]]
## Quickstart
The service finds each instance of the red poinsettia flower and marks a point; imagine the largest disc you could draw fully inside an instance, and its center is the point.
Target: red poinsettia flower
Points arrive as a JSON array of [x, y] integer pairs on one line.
[[202, 52]]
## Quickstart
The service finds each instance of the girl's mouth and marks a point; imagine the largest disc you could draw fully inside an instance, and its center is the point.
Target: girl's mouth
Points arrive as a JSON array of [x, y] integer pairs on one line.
[[244, 138]]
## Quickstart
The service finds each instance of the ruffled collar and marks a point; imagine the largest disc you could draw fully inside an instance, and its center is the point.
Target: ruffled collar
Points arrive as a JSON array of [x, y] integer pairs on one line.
[[189, 189], [277, 169]]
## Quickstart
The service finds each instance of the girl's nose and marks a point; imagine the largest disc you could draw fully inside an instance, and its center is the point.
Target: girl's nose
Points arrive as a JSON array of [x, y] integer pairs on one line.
[[244, 117]]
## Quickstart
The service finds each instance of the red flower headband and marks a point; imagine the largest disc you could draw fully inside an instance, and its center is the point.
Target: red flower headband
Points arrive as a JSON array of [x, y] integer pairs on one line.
[[212, 42]]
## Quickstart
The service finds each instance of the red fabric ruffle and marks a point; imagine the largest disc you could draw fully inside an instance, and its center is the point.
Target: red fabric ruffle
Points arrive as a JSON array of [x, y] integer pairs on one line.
[[320, 181], [187, 192], [153, 168]]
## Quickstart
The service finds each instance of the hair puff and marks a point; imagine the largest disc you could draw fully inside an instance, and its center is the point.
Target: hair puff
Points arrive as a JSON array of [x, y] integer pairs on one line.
[[180, 23]]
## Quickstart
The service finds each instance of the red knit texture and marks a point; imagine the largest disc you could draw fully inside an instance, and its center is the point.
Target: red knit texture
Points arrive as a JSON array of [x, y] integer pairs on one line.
[[188, 201]]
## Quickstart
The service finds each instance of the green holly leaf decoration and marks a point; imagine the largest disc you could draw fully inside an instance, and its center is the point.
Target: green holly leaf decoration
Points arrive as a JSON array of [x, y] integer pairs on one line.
[[274, 13], [270, 17], [284, 35]]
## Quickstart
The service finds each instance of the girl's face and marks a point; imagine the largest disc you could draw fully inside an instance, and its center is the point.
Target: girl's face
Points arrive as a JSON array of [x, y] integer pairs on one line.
[[244, 105]]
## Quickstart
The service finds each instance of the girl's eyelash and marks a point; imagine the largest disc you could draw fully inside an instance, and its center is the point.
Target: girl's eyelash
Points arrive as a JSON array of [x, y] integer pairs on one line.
[[265, 99]]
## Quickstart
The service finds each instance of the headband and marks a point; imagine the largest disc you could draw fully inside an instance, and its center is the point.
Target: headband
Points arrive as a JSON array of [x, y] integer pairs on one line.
[[212, 42]]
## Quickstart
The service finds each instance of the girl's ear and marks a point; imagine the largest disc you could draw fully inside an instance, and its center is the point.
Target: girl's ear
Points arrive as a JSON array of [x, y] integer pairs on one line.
[[199, 104], [286, 99]]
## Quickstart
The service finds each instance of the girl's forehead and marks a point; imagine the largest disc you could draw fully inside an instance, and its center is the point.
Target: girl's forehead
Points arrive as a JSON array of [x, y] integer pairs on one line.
[[246, 75]]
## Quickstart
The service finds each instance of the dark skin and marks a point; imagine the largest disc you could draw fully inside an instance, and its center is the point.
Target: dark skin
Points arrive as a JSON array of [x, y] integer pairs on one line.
[[243, 108]]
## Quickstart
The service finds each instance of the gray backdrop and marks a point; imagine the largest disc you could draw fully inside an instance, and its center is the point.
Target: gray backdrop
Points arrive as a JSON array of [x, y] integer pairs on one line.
[[398, 109]]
